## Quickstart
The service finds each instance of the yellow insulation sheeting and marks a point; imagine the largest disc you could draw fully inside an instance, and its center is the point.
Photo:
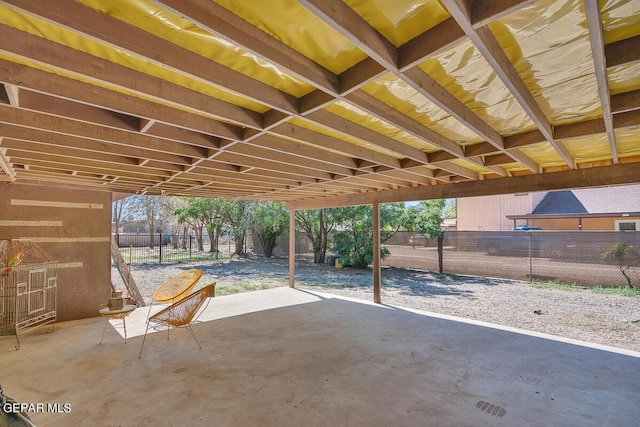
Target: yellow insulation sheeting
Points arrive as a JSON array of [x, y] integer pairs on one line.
[[88, 45], [589, 149], [323, 130], [620, 19], [464, 72], [402, 97], [400, 20], [544, 154], [548, 43], [297, 27], [469, 165], [624, 78], [155, 20], [514, 167], [365, 119], [627, 141]]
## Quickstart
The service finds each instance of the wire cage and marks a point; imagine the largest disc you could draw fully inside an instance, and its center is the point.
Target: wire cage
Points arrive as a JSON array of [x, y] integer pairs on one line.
[[28, 282]]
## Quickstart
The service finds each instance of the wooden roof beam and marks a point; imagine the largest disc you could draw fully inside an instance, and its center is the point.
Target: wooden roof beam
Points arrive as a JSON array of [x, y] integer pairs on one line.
[[291, 158], [567, 179], [303, 150], [622, 52], [347, 22], [223, 23], [84, 93], [596, 37], [121, 35], [368, 136], [308, 136], [343, 19], [390, 115], [35, 120], [488, 46], [85, 113], [5, 163], [483, 12], [300, 172], [13, 94], [624, 102], [89, 166], [35, 147], [43, 136], [30, 47], [430, 43], [217, 20], [125, 36]]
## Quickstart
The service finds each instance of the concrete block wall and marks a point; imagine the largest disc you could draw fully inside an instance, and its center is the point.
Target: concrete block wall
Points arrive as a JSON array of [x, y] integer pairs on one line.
[[74, 227]]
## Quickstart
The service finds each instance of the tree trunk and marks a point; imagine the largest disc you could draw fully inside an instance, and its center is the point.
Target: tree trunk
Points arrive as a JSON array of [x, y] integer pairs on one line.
[[623, 270], [440, 252], [199, 239], [185, 230], [212, 241], [152, 238], [268, 244], [239, 241]]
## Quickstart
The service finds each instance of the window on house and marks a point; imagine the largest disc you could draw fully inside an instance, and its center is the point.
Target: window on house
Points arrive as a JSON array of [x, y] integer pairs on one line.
[[628, 225]]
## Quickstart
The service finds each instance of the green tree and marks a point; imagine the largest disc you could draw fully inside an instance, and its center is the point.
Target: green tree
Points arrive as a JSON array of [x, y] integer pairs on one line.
[[451, 209], [269, 220], [214, 211], [238, 218], [353, 239], [623, 255], [194, 212], [316, 225], [426, 218], [203, 214]]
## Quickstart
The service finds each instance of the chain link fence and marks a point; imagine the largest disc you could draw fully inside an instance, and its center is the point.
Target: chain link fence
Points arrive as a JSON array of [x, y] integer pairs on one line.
[[584, 258]]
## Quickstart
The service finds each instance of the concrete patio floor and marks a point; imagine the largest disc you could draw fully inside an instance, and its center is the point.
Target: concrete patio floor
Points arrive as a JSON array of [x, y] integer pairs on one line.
[[286, 357]]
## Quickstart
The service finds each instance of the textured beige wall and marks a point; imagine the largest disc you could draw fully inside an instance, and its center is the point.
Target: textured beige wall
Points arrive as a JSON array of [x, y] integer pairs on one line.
[[489, 213], [74, 227]]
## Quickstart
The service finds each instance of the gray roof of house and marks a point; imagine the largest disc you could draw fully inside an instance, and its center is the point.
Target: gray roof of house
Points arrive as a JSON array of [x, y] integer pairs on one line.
[[618, 199]]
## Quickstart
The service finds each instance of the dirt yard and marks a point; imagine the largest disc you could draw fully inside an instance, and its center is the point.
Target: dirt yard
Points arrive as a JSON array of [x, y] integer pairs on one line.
[[580, 314]]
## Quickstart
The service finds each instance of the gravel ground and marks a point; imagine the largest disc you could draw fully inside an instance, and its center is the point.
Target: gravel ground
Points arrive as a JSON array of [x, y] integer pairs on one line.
[[581, 314]]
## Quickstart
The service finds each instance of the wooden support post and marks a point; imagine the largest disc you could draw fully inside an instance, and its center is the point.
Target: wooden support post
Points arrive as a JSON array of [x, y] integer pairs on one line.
[[376, 253], [292, 248]]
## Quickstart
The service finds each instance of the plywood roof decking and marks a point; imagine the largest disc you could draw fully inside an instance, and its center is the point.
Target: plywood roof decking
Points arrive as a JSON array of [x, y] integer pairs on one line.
[[318, 100]]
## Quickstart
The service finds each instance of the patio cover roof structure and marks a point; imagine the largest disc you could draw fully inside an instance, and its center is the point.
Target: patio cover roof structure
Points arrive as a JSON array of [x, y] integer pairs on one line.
[[320, 102]]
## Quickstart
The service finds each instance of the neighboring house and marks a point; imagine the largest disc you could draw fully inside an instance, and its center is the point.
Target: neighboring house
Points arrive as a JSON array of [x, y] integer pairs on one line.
[[489, 213], [607, 208]]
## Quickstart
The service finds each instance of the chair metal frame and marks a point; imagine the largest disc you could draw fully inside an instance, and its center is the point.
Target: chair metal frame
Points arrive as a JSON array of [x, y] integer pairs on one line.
[[182, 314]]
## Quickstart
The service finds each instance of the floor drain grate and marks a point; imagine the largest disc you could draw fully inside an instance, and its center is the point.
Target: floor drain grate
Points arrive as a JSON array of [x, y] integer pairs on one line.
[[491, 409]]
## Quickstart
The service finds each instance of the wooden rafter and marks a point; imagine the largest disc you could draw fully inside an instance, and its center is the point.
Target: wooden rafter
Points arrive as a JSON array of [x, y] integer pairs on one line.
[[5, 164], [342, 18], [71, 117], [486, 43], [592, 9], [572, 178], [208, 15], [13, 94]]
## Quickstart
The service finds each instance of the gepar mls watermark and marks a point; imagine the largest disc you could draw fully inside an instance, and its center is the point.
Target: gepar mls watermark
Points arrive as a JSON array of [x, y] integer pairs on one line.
[[19, 407]]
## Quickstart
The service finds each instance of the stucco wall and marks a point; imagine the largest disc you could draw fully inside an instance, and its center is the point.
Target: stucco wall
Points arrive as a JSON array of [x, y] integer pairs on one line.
[[489, 213], [74, 227]]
